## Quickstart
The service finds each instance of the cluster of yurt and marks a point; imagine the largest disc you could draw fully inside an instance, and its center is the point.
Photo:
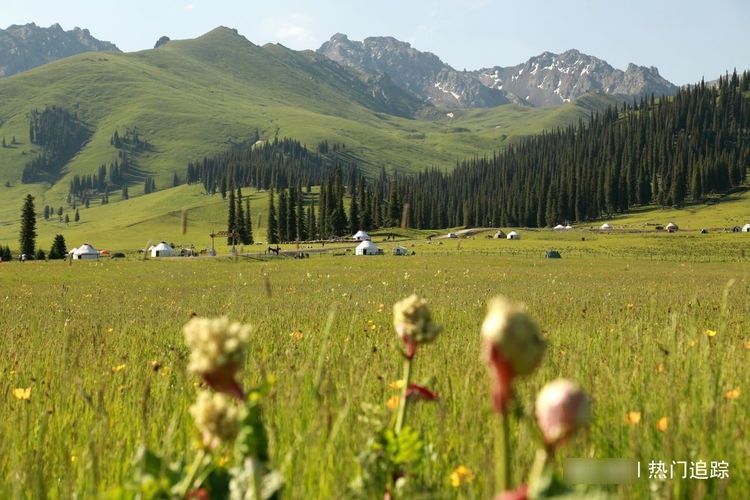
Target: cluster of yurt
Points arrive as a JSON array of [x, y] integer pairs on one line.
[[361, 236], [161, 250], [560, 227], [84, 252], [367, 247], [399, 250]]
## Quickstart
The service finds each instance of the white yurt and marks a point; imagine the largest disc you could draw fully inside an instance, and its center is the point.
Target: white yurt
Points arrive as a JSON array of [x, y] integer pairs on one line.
[[559, 227], [400, 251], [367, 248], [568, 227], [746, 228], [85, 252], [606, 227], [162, 250], [672, 227], [452, 235], [361, 236], [514, 236]]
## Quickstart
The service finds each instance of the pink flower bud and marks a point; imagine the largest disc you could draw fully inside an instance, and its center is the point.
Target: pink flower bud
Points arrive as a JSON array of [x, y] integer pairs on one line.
[[509, 329], [561, 409]]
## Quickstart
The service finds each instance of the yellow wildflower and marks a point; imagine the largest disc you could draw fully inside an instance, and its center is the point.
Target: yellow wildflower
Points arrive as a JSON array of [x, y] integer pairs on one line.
[[633, 417], [397, 384], [732, 394], [747, 344], [660, 368], [663, 424], [461, 475], [297, 335], [691, 343], [21, 393], [118, 368], [711, 333], [392, 402]]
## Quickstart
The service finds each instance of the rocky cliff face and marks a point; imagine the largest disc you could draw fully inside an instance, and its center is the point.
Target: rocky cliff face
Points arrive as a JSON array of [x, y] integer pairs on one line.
[[28, 46], [547, 79], [422, 74], [556, 78]]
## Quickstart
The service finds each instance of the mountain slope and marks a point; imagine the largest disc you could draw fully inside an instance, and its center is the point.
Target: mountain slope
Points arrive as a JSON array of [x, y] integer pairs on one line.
[[197, 97], [28, 46], [548, 79]]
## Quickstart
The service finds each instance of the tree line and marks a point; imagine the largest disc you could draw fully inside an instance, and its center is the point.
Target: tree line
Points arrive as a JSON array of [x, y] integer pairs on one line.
[[61, 135]]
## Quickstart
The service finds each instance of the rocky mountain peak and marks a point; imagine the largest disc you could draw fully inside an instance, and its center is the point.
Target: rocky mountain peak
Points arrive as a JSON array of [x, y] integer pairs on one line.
[[23, 47]]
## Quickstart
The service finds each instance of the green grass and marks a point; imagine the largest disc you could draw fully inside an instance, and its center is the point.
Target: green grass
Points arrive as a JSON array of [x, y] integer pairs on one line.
[[611, 315]]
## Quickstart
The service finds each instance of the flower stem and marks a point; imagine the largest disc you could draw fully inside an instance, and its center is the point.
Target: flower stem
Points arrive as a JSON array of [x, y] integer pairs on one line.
[[184, 486], [538, 470], [502, 453], [401, 418]]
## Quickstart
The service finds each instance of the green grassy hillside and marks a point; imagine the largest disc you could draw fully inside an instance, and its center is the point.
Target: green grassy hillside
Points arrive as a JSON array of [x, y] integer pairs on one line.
[[196, 97]]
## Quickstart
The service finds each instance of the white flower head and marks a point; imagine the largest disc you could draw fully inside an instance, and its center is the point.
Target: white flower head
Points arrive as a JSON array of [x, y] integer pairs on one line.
[[509, 329], [215, 344], [561, 409], [217, 418], [412, 319]]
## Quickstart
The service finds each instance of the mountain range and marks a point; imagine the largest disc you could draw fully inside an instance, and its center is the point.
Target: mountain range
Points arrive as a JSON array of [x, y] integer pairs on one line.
[[23, 47], [403, 78], [547, 79]]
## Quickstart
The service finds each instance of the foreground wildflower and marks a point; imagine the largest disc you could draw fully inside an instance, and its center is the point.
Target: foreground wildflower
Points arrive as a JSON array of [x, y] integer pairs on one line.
[[413, 323], [633, 418], [663, 424], [461, 475], [562, 408], [512, 345], [216, 417], [732, 394], [711, 333], [21, 393], [217, 348]]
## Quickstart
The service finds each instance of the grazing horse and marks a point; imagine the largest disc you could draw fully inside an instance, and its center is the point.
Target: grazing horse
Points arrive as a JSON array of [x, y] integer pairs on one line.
[[274, 250]]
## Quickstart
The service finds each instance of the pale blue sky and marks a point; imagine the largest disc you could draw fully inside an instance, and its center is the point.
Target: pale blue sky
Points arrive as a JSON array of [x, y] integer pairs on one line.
[[685, 39]]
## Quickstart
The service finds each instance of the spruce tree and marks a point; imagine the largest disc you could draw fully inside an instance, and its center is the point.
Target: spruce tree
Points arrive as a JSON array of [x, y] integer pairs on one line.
[[28, 227], [58, 250], [291, 225], [231, 218], [240, 220], [301, 221], [283, 233], [249, 223], [77, 216], [272, 228]]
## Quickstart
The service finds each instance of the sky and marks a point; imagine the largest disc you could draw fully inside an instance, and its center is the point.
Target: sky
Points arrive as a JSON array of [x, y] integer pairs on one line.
[[685, 39]]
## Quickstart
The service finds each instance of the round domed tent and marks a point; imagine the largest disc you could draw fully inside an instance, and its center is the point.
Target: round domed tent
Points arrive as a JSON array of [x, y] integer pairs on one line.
[[162, 250], [400, 251], [367, 248], [672, 227], [568, 227], [514, 236], [85, 252], [559, 227], [500, 235], [606, 227], [361, 236], [746, 228]]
